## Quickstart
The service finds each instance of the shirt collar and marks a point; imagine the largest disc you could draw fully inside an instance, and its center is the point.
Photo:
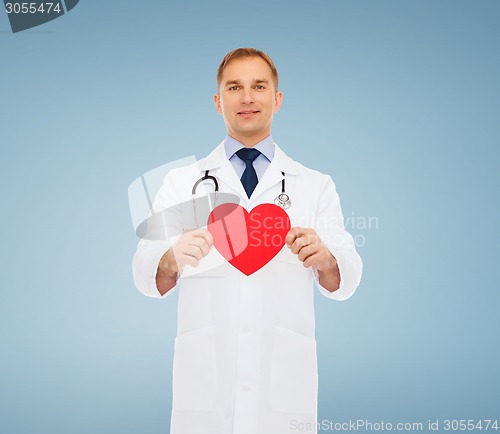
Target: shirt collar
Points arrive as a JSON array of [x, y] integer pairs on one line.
[[266, 147]]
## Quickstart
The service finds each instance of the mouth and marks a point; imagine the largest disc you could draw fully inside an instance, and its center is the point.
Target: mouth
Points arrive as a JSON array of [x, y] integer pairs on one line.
[[248, 113]]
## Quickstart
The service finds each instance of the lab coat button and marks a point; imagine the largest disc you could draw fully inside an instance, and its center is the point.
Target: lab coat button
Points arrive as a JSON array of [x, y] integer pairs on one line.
[[244, 388], [245, 329]]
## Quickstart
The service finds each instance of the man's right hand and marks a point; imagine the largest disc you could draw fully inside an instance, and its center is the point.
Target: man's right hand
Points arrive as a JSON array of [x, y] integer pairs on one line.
[[190, 248]]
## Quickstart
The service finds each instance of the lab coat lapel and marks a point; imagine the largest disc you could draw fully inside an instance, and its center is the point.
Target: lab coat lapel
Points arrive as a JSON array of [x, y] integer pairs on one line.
[[219, 166], [273, 176]]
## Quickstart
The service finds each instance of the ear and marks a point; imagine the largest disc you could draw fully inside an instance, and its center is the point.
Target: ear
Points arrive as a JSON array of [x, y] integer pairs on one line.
[[217, 103], [278, 99]]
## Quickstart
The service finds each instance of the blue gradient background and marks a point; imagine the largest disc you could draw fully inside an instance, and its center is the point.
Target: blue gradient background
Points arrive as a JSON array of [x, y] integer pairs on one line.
[[398, 101]]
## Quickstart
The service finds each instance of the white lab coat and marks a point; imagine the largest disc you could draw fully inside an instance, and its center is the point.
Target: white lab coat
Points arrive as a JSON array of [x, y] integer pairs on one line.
[[245, 352]]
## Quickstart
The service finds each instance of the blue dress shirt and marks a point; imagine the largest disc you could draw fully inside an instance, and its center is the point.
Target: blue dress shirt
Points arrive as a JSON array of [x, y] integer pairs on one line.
[[261, 163]]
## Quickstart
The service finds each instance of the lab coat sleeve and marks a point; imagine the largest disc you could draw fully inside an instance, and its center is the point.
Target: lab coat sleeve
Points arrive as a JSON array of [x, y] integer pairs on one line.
[[149, 251], [330, 228]]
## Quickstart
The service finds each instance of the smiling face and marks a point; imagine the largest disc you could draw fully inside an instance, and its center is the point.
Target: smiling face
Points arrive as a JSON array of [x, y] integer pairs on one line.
[[247, 99]]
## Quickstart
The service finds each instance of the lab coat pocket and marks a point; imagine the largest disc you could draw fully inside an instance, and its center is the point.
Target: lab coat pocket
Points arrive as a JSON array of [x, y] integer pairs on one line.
[[293, 385], [194, 372]]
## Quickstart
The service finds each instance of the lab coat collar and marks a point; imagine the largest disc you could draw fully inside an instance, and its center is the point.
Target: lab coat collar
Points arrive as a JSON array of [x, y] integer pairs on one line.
[[217, 160]]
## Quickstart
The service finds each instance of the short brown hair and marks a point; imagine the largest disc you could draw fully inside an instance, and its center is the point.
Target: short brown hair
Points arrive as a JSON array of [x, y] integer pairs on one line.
[[241, 53]]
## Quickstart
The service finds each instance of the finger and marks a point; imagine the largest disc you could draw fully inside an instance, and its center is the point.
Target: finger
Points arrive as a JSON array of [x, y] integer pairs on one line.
[[298, 244], [202, 244], [193, 251], [292, 235], [188, 248], [192, 237], [189, 260], [313, 260], [200, 232], [304, 240], [206, 235], [199, 241], [306, 251]]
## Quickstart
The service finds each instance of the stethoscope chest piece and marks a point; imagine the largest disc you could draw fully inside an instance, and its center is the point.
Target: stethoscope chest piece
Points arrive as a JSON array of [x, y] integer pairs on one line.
[[283, 200]]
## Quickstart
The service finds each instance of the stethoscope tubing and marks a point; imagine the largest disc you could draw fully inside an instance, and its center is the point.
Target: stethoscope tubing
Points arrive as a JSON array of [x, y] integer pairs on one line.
[[282, 200], [204, 178]]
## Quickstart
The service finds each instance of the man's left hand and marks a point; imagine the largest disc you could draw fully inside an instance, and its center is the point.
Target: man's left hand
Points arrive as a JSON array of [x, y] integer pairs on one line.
[[311, 251]]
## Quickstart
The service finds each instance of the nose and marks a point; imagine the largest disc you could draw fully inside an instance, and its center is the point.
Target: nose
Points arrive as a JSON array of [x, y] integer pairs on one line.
[[246, 96]]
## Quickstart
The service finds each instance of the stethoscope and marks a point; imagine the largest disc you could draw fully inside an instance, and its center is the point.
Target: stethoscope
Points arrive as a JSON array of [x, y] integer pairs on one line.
[[282, 200]]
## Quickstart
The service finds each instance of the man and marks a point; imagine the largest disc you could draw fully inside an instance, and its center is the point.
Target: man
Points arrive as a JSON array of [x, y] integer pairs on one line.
[[245, 352]]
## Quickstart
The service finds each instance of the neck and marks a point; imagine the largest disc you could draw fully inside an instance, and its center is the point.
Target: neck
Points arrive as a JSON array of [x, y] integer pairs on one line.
[[250, 142]]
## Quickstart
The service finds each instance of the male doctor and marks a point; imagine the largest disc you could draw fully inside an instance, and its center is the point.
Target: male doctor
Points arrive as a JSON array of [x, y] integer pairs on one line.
[[245, 352]]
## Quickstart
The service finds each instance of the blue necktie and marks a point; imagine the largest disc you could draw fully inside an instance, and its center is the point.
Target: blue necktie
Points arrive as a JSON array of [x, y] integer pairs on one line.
[[249, 177]]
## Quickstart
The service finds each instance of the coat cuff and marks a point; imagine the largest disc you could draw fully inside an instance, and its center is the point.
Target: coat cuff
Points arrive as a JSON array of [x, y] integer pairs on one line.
[[145, 268], [350, 268]]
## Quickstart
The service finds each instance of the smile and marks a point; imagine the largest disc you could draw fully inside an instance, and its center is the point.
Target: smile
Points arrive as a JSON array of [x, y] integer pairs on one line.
[[248, 113]]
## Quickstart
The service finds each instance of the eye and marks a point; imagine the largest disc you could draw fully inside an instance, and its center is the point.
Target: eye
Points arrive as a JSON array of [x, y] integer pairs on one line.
[[233, 88], [260, 87]]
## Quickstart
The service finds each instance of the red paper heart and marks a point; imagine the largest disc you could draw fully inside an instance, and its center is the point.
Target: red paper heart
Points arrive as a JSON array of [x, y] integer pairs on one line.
[[248, 240]]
